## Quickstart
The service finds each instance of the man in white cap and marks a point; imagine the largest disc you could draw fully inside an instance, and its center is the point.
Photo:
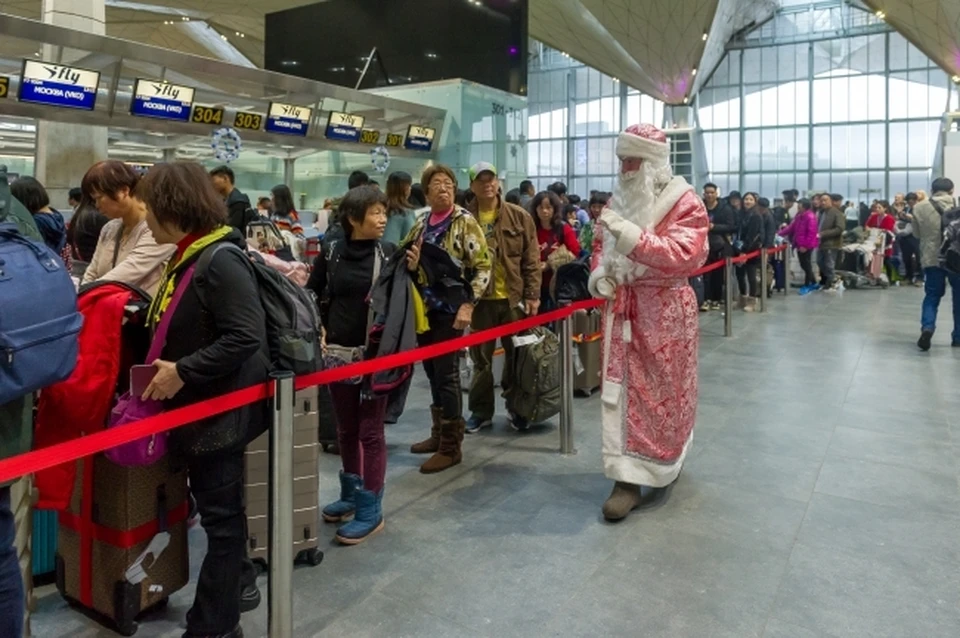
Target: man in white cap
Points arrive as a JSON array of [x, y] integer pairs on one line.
[[652, 237]]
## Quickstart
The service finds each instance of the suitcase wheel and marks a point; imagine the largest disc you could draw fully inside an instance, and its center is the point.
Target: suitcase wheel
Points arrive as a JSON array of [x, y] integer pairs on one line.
[[312, 557], [127, 628]]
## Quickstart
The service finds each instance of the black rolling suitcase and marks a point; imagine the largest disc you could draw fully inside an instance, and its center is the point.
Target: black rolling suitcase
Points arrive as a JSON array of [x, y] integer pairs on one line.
[[328, 421]]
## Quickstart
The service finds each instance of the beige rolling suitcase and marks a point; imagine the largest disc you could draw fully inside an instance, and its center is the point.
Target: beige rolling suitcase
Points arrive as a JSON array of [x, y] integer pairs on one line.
[[306, 486]]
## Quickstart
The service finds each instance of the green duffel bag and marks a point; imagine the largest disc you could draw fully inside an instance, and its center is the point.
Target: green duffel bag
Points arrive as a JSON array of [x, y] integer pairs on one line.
[[535, 394]]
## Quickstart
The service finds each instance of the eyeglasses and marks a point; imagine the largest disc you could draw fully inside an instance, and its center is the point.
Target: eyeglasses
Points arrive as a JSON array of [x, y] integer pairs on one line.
[[446, 185]]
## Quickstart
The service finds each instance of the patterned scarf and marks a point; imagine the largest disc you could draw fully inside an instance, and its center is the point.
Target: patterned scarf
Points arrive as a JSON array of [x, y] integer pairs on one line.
[[168, 283]]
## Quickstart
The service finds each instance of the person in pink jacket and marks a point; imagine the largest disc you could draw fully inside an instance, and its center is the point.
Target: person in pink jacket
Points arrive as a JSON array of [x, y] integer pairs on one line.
[[803, 234]]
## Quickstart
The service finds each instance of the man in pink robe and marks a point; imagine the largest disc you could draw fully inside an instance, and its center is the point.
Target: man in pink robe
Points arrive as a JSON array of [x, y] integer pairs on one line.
[[653, 236]]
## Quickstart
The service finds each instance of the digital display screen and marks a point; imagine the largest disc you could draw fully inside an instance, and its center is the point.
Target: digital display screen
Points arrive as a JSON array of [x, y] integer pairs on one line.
[[58, 85], [162, 100], [288, 119]]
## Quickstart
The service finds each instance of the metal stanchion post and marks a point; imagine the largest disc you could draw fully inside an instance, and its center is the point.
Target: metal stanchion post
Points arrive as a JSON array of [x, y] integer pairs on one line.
[[280, 619], [566, 383], [728, 297], [764, 278], [785, 255]]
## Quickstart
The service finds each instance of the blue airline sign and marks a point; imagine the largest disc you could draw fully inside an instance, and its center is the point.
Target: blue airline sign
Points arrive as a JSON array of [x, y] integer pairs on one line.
[[58, 85], [288, 119], [162, 100]]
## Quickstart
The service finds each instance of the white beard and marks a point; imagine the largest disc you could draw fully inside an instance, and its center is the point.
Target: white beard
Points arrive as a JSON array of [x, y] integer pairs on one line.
[[633, 199]]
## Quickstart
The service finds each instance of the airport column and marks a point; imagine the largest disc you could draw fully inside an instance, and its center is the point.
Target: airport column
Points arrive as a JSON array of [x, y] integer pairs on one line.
[[65, 151]]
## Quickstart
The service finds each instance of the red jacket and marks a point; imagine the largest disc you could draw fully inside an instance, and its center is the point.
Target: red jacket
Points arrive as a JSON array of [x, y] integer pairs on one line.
[[887, 223], [80, 405]]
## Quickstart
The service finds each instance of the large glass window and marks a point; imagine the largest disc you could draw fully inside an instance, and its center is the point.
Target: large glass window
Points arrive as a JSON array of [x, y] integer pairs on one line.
[[576, 113], [855, 115]]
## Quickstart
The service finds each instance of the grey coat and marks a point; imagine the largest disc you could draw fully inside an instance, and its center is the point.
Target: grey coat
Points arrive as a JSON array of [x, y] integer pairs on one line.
[[928, 227]]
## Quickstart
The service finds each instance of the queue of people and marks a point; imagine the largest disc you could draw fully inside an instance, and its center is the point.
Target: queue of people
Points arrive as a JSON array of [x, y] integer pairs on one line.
[[178, 234]]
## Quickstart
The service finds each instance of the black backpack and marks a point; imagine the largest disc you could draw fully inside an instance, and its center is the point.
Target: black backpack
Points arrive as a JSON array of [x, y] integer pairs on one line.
[[293, 325], [572, 281]]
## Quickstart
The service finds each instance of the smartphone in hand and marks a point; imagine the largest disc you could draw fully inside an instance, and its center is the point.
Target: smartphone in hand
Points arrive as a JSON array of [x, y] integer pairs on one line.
[[140, 378]]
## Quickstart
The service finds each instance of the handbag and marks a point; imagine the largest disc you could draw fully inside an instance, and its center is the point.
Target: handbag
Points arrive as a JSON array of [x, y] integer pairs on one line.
[[336, 356], [130, 409]]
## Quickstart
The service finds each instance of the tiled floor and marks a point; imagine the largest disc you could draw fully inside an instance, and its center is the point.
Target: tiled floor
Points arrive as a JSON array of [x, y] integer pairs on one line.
[[821, 499]]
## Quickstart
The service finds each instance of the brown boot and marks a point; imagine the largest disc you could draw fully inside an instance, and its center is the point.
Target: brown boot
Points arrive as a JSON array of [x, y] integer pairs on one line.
[[623, 499], [449, 454], [432, 444]]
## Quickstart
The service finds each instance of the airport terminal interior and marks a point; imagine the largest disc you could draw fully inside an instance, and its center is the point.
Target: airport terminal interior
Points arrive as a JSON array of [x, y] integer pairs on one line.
[[820, 486]]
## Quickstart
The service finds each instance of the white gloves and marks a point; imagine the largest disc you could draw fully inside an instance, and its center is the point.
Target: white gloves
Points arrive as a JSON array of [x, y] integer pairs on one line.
[[614, 222], [601, 285]]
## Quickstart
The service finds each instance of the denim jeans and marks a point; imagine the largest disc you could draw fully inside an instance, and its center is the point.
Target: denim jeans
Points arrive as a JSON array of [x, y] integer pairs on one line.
[[827, 261], [935, 285], [216, 482], [11, 584]]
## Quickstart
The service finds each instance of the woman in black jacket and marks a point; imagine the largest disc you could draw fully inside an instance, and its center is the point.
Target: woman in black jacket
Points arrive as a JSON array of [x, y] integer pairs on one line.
[[752, 232], [342, 277], [216, 343]]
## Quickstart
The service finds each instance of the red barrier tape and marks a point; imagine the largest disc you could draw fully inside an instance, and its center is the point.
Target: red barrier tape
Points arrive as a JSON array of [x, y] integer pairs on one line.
[[717, 265], [30, 462]]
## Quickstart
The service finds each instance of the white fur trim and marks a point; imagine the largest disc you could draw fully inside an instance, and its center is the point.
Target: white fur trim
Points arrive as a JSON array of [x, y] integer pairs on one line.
[[630, 145], [675, 189], [597, 281]]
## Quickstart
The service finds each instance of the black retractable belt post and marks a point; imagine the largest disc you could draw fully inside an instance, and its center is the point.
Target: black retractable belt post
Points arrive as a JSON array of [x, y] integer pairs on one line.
[[764, 278], [728, 297]]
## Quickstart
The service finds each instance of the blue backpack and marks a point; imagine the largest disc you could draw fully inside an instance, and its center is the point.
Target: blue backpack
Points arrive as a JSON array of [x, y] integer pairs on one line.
[[39, 321]]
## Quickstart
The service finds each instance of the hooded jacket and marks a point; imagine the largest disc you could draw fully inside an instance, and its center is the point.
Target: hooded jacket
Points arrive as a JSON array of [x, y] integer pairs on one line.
[[928, 227], [53, 229], [802, 231]]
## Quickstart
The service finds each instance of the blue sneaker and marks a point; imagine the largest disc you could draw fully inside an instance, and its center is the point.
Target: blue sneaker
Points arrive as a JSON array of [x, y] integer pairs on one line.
[[343, 509], [475, 424], [367, 521]]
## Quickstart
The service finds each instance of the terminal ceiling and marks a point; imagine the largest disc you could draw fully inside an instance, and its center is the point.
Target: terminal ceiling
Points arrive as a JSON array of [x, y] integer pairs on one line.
[[665, 48]]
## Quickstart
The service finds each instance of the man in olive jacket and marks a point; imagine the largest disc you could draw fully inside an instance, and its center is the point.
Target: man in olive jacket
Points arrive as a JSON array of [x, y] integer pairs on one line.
[[832, 225], [514, 289], [928, 225]]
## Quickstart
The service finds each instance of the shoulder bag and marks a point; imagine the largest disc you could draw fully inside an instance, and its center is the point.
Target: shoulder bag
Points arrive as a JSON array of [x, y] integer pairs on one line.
[[130, 409]]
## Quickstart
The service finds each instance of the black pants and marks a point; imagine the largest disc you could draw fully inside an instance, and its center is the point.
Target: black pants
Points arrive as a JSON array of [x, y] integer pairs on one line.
[[910, 251], [747, 277], [806, 262], [216, 482], [713, 280], [11, 583], [443, 372]]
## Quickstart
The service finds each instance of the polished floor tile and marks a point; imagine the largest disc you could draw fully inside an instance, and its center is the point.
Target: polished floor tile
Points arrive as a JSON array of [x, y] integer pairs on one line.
[[821, 499]]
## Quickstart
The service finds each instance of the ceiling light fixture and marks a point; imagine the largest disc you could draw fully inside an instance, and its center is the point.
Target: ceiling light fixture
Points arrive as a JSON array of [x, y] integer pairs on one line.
[[685, 99], [705, 36], [881, 15], [694, 72], [956, 79]]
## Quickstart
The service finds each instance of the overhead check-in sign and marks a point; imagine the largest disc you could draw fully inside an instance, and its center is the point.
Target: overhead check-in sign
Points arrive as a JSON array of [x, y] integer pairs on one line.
[[420, 138], [288, 119], [58, 85], [344, 126], [162, 100]]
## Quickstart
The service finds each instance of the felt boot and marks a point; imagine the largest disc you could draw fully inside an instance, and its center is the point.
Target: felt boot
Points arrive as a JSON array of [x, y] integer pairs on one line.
[[623, 499], [367, 521], [343, 509], [449, 454], [431, 445]]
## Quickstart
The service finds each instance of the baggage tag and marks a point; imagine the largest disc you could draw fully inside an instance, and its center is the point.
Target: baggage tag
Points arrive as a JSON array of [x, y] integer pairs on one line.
[[526, 340], [578, 368], [136, 573]]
